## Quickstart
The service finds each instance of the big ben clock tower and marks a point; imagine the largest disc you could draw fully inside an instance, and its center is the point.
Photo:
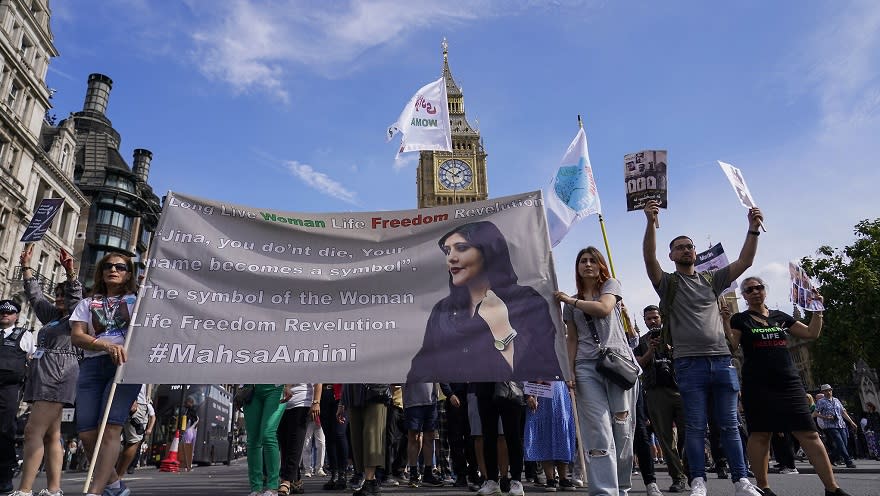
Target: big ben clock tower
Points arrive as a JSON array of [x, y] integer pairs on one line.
[[446, 178]]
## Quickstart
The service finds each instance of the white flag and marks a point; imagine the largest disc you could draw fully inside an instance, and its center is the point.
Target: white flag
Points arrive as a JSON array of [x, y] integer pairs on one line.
[[739, 184], [573, 194], [424, 121]]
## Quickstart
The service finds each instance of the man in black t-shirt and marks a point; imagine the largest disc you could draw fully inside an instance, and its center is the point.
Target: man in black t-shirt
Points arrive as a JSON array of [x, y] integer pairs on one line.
[[662, 398]]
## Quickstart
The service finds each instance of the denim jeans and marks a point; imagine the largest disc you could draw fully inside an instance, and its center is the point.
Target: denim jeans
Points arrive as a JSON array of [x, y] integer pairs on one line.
[[838, 439], [608, 442], [93, 390], [698, 379]]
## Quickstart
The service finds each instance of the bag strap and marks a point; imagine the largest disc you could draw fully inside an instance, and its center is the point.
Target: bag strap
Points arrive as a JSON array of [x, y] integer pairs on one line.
[[593, 330]]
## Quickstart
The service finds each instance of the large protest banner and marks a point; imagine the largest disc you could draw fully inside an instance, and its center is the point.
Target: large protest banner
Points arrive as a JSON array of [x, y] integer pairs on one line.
[[236, 294]]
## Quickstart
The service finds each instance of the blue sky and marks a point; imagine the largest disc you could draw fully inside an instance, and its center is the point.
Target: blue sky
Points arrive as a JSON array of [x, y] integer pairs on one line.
[[284, 104]]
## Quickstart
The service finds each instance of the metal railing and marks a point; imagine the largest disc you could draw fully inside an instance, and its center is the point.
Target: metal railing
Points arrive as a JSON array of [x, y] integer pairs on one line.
[[45, 283]]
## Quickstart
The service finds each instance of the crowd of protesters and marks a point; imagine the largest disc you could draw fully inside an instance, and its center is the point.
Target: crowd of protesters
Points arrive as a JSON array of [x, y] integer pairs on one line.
[[492, 438]]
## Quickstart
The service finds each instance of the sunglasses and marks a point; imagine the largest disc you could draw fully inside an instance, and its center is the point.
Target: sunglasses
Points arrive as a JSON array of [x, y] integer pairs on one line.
[[684, 247], [7, 312], [120, 267], [752, 289]]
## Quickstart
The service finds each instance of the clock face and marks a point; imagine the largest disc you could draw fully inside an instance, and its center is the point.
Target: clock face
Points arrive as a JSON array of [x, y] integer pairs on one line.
[[455, 174]]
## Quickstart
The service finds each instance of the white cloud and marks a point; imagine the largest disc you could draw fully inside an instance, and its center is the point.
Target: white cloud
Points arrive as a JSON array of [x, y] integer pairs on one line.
[[321, 182], [842, 65], [256, 45]]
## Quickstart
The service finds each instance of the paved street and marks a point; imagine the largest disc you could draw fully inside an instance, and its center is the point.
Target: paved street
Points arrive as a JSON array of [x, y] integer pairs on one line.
[[220, 480]]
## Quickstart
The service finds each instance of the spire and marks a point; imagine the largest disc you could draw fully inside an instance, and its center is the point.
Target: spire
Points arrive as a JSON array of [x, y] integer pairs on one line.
[[452, 89]]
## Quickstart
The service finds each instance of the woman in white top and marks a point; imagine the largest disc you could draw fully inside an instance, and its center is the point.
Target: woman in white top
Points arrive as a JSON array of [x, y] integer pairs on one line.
[[98, 326]]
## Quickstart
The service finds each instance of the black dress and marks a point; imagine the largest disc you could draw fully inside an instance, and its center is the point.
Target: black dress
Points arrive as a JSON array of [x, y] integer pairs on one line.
[[773, 394]]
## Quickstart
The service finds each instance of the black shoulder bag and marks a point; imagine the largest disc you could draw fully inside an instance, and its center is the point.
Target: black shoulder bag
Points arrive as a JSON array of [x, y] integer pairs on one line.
[[612, 365]]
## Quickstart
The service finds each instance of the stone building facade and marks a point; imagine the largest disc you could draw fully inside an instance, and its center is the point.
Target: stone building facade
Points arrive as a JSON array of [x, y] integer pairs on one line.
[[36, 156]]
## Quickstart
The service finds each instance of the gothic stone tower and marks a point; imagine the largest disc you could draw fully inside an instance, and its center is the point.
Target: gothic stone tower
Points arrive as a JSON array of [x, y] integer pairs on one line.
[[446, 178]]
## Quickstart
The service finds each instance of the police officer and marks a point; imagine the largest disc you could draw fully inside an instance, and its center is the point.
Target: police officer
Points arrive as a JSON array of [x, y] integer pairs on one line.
[[14, 348]]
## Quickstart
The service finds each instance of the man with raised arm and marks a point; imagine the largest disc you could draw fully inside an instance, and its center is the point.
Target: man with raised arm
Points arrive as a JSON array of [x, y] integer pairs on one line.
[[701, 357]]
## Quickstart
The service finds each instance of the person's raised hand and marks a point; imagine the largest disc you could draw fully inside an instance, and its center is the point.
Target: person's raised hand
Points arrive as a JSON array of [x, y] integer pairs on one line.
[[756, 219], [25, 258], [652, 212], [66, 260]]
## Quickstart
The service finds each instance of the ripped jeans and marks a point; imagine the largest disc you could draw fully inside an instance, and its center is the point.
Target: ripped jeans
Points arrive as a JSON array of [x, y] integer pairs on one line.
[[607, 420]]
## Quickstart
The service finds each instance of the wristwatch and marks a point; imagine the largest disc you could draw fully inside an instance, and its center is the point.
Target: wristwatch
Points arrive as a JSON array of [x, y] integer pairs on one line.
[[501, 344]]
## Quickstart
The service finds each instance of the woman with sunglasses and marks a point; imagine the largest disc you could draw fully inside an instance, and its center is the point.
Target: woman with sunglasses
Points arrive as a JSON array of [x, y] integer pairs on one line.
[[773, 395], [52, 375], [98, 326]]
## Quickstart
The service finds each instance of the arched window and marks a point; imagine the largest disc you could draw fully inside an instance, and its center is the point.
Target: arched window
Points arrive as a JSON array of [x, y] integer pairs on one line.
[[65, 153]]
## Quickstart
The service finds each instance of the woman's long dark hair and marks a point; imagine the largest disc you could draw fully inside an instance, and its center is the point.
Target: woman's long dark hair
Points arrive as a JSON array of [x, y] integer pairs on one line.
[[100, 287], [604, 274], [487, 238]]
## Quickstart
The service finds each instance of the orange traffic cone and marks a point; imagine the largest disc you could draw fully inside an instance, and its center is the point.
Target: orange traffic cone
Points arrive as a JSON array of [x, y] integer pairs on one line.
[[170, 463]]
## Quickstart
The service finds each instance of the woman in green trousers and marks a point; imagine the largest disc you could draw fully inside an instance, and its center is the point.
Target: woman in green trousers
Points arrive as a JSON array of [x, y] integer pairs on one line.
[[261, 416]]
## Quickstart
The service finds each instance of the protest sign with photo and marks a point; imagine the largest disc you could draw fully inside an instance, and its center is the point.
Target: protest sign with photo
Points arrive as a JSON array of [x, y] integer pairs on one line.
[[42, 219], [713, 259], [802, 289], [644, 173], [236, 294], [738, 182]]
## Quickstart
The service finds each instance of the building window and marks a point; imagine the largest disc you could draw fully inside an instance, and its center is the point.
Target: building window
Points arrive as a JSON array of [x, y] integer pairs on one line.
[[65, 153], [64, 222], [41, 265], [111, 240], [14, 91], [4, 221], [120, 182], [113, 218]]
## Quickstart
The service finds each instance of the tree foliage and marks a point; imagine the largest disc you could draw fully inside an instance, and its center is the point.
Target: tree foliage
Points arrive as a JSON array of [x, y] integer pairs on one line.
[[849, 280]]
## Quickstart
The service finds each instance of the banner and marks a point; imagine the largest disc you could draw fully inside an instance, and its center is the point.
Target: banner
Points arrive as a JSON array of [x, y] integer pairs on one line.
[[424, 121], [644, 174], [42, 219], [738, 182], [236, 294], [713, 259], [573, 194], [802, 289]]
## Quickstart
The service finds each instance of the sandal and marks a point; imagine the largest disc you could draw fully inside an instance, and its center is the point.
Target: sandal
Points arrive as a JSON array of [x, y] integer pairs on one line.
[[284, 488], [297, 488]]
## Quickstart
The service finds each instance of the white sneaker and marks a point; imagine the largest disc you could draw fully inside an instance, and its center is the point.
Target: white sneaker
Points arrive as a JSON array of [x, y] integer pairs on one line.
[[321, 473], [46, 492], [516, 488], [698, 487], [653, 489], [22, 493], [789, 471], [489, 488], [745, 488]]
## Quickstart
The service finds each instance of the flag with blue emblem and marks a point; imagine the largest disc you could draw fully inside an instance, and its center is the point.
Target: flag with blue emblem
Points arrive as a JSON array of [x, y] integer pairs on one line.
[[573, 194]]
